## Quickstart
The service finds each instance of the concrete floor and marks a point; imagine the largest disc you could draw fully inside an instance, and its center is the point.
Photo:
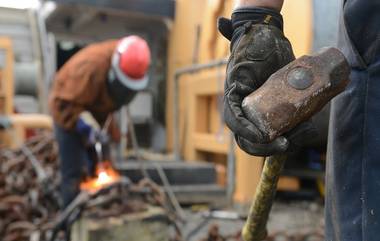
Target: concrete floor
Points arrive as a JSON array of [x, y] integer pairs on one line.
[[295, 218]]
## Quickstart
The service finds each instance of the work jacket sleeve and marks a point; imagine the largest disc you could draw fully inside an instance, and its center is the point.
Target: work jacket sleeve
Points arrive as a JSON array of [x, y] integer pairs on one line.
[[75, 90], [65, 114]]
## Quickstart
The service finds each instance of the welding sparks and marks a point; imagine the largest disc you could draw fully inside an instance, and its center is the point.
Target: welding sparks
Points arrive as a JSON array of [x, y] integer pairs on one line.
[[105, 175], [104, 178]]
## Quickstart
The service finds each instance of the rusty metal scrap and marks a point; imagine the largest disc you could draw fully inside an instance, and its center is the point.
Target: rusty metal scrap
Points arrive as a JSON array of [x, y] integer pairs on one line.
[[29, 193], [213, 234], [123, 198], [26, 206]]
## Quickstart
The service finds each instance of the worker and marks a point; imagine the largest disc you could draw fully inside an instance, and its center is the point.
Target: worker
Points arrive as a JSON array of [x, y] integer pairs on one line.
[[97, 80], [259, 48]]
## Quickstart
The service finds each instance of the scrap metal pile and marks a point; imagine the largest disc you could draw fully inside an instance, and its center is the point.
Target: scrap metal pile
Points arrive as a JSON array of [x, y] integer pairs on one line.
[[29, 197], [30, 201]]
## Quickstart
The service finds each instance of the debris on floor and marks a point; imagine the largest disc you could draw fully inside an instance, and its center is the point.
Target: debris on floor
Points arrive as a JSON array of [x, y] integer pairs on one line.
[[288, 221], [30, 204], [29, 198], [30, 201]]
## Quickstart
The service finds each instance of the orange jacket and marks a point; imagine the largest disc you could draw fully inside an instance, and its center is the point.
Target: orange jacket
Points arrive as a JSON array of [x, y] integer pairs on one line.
[[81, 85]]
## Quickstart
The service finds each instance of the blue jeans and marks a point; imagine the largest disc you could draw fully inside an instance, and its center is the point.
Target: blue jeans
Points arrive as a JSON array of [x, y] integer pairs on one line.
[[353, 168], [353, 153], [74, 158]]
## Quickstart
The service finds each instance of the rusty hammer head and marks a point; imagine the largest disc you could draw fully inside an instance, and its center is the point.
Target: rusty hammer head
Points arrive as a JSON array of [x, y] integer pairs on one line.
[[296, 92]]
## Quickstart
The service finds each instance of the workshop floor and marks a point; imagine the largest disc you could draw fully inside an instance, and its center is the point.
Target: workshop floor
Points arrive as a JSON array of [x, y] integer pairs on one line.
[[297, 220]]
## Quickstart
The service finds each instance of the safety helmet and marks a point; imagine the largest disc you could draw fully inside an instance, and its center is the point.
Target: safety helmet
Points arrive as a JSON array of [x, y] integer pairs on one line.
[[130, 62]]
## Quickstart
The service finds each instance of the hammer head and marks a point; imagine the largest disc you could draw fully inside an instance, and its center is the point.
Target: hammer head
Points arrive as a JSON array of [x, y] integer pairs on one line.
[[296, 92]]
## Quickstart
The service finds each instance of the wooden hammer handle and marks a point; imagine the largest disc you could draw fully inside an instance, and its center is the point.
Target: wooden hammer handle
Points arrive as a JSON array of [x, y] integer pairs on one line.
[[255, 226]]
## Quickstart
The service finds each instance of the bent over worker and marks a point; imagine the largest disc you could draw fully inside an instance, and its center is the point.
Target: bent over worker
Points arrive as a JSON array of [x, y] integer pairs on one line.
[[98, 79], [259, 48]]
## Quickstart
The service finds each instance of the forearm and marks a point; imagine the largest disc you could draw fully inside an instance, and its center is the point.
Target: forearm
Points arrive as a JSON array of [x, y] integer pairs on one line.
[[275, 4]]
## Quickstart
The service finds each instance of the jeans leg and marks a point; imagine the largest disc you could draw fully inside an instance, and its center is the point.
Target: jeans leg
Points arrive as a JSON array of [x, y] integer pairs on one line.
[[353, 166], [72, 155]]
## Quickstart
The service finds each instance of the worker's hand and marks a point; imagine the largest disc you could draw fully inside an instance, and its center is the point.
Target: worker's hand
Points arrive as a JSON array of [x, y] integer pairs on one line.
[[88, 128], [290, 142], [258, 49]]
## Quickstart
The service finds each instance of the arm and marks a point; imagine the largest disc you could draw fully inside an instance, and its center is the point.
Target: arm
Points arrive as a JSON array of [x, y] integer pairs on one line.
[[274, 4]]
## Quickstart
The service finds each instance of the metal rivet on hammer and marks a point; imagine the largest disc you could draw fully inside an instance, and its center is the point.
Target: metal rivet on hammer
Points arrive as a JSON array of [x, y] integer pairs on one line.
[[300, 78]]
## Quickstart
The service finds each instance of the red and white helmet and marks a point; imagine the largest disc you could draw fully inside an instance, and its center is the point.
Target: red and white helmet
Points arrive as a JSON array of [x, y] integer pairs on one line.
[[130, 62]]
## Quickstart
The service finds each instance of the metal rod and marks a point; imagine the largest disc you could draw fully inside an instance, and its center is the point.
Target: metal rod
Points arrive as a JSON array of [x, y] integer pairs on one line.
[[40, 172], [135, 144], [123, 124], [231, 168], [186, 70], [255, 226], [165, 182]]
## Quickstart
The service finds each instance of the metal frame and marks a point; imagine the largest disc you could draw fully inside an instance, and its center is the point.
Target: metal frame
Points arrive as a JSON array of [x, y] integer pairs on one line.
[[231, 165], [177, 74], [160, 8]]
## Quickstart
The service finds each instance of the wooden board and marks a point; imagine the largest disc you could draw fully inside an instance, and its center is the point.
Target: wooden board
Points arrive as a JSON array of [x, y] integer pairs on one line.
[[298, 25], [182, 41], [248, 172], [6, 76], [292, 184], [194, 39], [14, 137], [204, 133]]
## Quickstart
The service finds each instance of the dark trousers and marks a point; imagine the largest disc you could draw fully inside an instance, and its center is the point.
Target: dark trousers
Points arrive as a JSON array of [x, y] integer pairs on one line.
[[353, 153], [74, 157], [353, 167]]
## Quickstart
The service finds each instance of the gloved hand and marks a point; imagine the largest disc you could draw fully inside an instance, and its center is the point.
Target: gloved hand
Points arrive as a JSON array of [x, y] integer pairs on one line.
[[92, 135], [88, 128], [258, 49]]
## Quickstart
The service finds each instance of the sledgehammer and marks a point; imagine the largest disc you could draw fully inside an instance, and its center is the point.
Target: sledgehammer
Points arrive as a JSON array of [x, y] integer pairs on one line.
[[289, 97]]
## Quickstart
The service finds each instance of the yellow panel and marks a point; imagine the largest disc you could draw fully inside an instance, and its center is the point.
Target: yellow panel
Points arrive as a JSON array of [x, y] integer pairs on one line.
[[298, 25], [289, 184], [6, 78], [190, 16], [248, 172], [211, 143], [182, 41]]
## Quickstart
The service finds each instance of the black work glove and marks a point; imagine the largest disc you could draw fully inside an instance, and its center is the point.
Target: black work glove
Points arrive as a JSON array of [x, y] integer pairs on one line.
[[258, 49]]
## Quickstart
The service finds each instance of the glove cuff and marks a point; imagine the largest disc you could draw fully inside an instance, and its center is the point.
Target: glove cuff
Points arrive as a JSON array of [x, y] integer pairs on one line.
[[242, 18], [256, 15]]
